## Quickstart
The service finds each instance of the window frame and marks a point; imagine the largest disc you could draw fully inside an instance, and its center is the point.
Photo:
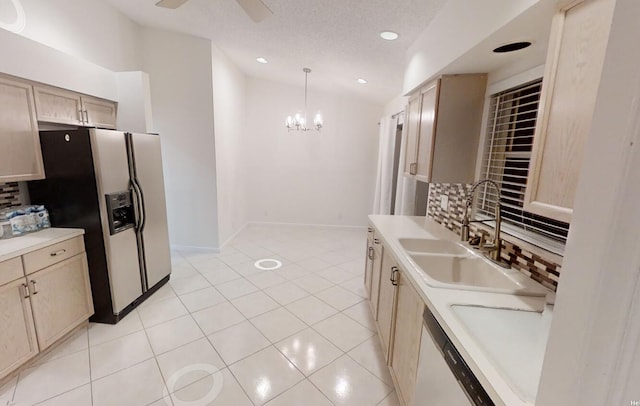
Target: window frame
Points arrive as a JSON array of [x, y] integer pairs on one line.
[[510, 232]]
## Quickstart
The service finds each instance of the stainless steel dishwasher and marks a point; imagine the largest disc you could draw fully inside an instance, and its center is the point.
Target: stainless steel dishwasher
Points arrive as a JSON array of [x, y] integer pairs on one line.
[[444, 379]]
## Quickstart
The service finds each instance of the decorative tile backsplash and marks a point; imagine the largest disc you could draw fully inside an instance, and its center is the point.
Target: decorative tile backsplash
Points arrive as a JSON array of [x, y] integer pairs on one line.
[[9, 195], [536, 267]]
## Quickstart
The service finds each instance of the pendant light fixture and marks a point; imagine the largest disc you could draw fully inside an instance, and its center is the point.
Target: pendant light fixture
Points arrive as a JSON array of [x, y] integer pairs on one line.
[[299, 121]]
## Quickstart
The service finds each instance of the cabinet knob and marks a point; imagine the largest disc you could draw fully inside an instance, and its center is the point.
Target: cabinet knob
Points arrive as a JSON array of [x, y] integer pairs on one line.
[[376, 241], [371, 253], [35, 289]]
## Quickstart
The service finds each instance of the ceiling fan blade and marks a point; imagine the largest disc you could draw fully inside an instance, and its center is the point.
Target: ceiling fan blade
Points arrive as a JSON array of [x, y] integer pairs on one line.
[[172, 4], [256, 9]]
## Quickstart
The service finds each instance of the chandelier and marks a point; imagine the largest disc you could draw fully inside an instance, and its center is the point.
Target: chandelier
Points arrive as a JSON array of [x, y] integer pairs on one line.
[[299, 121]]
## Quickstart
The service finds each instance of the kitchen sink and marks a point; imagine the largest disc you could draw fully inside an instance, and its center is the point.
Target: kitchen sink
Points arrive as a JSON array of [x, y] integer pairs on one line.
[[423, 245], [474, 273]]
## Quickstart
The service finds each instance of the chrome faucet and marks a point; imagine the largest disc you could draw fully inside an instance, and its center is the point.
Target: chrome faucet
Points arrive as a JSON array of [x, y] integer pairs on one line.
[[493, 249]]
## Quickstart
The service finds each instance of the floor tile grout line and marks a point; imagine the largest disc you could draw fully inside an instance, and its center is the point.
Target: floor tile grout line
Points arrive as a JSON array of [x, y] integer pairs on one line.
[[271, 344], [155, 358], [116, 338], [61, 393], [304, 322], [13, 392], [227, 366], [58, 394], [365, 368], [284, 305], [320, 390], [90, 373]]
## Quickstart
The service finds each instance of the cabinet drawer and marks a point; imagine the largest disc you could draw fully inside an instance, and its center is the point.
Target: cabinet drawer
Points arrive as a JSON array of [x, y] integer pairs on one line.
[[10, 270], [52, 254]]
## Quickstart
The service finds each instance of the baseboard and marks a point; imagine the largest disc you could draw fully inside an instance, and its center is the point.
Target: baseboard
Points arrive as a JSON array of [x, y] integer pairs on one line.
[[275, 223], [234, 235], [176, 247], [211, 250]]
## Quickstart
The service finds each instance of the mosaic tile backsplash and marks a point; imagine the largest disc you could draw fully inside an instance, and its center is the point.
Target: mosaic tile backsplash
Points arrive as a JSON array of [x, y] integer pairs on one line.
[[536, 267], [9, 195]]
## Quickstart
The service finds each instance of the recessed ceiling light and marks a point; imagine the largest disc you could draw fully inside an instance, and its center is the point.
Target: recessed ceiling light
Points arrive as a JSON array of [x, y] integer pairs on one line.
[[512, 46], [361, 81], [261, 60], [389, 35]]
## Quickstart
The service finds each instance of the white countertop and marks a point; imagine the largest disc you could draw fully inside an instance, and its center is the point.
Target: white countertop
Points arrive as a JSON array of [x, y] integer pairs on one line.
[[503, 349], [14, 247]]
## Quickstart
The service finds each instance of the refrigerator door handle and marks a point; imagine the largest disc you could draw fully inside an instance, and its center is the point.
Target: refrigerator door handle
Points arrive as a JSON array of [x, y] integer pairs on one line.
[[136, 205], [142, 207]]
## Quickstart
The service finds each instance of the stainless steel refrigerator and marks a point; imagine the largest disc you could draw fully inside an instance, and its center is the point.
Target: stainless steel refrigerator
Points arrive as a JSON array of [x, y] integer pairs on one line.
[[110, 183]]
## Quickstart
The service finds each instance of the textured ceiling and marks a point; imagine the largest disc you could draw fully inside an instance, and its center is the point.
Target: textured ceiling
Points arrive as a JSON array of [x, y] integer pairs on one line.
[[338, 39]]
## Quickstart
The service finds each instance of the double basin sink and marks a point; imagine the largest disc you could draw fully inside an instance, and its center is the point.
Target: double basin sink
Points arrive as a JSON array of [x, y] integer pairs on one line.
[[446, 264]]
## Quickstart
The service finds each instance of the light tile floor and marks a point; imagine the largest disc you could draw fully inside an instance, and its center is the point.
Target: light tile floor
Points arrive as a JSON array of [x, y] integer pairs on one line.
[[223, 332]]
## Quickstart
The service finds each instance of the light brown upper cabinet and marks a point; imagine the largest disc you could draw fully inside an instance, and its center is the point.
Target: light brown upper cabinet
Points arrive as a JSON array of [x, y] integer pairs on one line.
[[20, 155], [60, 106], [579, 36], [100, 113], [444, 120]]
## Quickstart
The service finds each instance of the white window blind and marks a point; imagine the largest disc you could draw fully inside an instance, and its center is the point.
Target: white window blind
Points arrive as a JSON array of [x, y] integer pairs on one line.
[[507, 151]]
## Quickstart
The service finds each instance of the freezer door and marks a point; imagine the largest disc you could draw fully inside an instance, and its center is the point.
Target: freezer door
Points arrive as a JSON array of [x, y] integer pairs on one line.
[[112, 175], [155, 235]]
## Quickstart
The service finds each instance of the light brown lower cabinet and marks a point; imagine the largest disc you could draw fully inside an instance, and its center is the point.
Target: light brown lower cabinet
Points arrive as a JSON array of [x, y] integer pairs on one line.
[[368, 269], [376, 262], [38, 309], [386, 302], [56, 314], [399, 322], [17, 333], [406, 339]]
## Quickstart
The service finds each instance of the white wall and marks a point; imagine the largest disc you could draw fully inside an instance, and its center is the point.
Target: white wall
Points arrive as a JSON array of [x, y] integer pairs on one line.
[[89, 29], [179, 69], [31, 60], [457, 28], [395, 105], [229, 109], [134, 102], [324, 177]]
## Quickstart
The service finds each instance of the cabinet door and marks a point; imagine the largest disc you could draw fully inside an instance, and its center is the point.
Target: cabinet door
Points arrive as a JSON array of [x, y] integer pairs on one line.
[[17, 335], [378, 251], [428, 111], [386, 303], [61, 298], [413, 128], [368, 270], [579, 37], [20, 154], [99, 112], [58, 105], [406, 341]]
